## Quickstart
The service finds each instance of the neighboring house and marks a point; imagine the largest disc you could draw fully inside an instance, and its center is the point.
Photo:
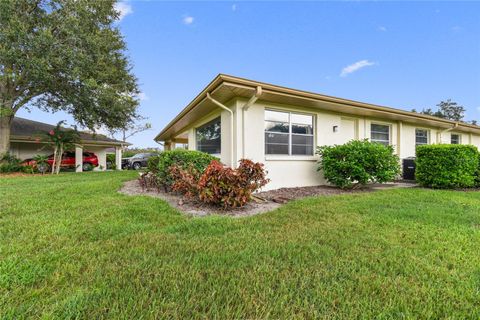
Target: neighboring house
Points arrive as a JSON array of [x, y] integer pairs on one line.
[[237, 118], [25, 142]]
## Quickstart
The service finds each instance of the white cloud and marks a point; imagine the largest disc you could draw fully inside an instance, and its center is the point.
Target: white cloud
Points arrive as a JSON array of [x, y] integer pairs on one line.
[[234, 7], [188, 20], [457, 28], [382, 28], [124, 9], [355, 67], [478, 109]]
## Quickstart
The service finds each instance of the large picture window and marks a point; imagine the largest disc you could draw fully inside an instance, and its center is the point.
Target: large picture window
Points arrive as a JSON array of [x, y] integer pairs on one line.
[[288, 133], [380, 133], [208, 137], [421, 137]]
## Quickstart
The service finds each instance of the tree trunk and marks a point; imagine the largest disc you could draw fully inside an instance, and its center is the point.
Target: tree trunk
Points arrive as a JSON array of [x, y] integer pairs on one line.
[[54, 164], [59, 160], [5, 122]]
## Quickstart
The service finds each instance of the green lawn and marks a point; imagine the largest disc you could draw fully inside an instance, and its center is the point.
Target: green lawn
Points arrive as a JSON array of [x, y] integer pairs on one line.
[[72, 247]]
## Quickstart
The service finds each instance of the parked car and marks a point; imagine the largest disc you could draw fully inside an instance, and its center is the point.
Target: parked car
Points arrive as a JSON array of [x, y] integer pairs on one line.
[[89, 161], [138, 161]]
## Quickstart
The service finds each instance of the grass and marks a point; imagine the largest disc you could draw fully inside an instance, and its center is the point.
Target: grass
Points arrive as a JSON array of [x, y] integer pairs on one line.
[[72, 247]]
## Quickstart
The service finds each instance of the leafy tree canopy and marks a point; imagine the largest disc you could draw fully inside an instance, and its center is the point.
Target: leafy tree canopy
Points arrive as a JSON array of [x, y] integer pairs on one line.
[[446, 109], [65, 55]]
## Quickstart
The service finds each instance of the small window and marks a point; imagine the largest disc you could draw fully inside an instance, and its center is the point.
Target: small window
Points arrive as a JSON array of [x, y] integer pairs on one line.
[[421, 137], [380, 133], [208, 137], [455, 138], [288, 133]]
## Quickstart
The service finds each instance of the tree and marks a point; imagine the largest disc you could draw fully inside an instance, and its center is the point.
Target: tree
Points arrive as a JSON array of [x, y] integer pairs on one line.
[[131, 129], [430, 112], [61, 139], [446, 109], [451, 110], [64, 55]]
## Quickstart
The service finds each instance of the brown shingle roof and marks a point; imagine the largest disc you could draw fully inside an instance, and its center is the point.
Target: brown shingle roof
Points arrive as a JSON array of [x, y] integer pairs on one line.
[[29, 130]]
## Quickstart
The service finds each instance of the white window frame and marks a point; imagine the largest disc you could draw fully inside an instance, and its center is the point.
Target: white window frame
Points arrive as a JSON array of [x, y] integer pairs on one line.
[[389, 132], [428, 136], [459, 138], [290, 133]]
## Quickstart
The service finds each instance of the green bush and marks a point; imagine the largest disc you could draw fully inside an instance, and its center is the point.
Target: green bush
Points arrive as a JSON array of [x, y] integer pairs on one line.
[[358, 162], [447, 166], [152, 164], [9, 163], [183, 159], [111, 164]]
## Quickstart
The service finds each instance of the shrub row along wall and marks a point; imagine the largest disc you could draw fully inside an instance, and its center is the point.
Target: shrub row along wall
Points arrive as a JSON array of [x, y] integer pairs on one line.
[[358, 162], [447, 166]]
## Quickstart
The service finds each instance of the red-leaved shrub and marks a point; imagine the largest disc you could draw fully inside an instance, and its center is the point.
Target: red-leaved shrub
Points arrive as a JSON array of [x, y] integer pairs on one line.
[[229, 188], [185, 181], [149, 181]]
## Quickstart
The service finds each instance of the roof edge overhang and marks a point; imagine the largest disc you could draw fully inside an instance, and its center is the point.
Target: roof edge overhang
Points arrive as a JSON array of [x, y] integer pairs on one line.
[[236, 82], [29, 139]]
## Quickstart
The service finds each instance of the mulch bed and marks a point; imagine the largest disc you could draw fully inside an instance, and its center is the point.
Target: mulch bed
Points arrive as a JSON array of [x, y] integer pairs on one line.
[[266, 200], [196, 208], [284, 195]]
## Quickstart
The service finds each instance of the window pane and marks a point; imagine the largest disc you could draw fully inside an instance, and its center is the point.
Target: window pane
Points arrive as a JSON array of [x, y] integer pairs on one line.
[[209, 137], [380, 136], [421, 136], [302, 150], [302, 145], [276, 138], [276, 116], [455, 139], [276, 126], [380, 128], [276, 143], [380, 133], [302, 119], [302, 128], [305, 140], [276, 148]]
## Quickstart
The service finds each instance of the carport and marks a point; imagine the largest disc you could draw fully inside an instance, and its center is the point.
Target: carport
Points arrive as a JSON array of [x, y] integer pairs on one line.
[[25, 143]]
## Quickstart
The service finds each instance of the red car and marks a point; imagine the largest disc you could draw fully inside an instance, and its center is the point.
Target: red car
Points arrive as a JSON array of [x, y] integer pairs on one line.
[[90, 161]]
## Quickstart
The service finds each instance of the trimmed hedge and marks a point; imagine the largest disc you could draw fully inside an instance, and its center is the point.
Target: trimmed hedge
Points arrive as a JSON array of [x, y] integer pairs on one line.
[[358, 162], [152, 164], [447, 166], [183, 159]]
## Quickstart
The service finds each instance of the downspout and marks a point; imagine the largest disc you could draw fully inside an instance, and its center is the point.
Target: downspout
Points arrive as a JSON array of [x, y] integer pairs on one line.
[[246, 106], [447, 130], [209, 97]]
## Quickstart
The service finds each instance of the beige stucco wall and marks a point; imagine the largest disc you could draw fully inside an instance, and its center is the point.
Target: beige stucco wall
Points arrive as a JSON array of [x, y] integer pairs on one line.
[[25, 150], [294, 171], [101, 153]]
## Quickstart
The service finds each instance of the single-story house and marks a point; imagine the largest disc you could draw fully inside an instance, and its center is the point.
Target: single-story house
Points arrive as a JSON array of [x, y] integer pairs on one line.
[[25, 143], [237, 118]]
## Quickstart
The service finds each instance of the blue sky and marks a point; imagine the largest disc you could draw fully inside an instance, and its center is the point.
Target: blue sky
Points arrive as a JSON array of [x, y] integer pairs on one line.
[[403, 55]]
